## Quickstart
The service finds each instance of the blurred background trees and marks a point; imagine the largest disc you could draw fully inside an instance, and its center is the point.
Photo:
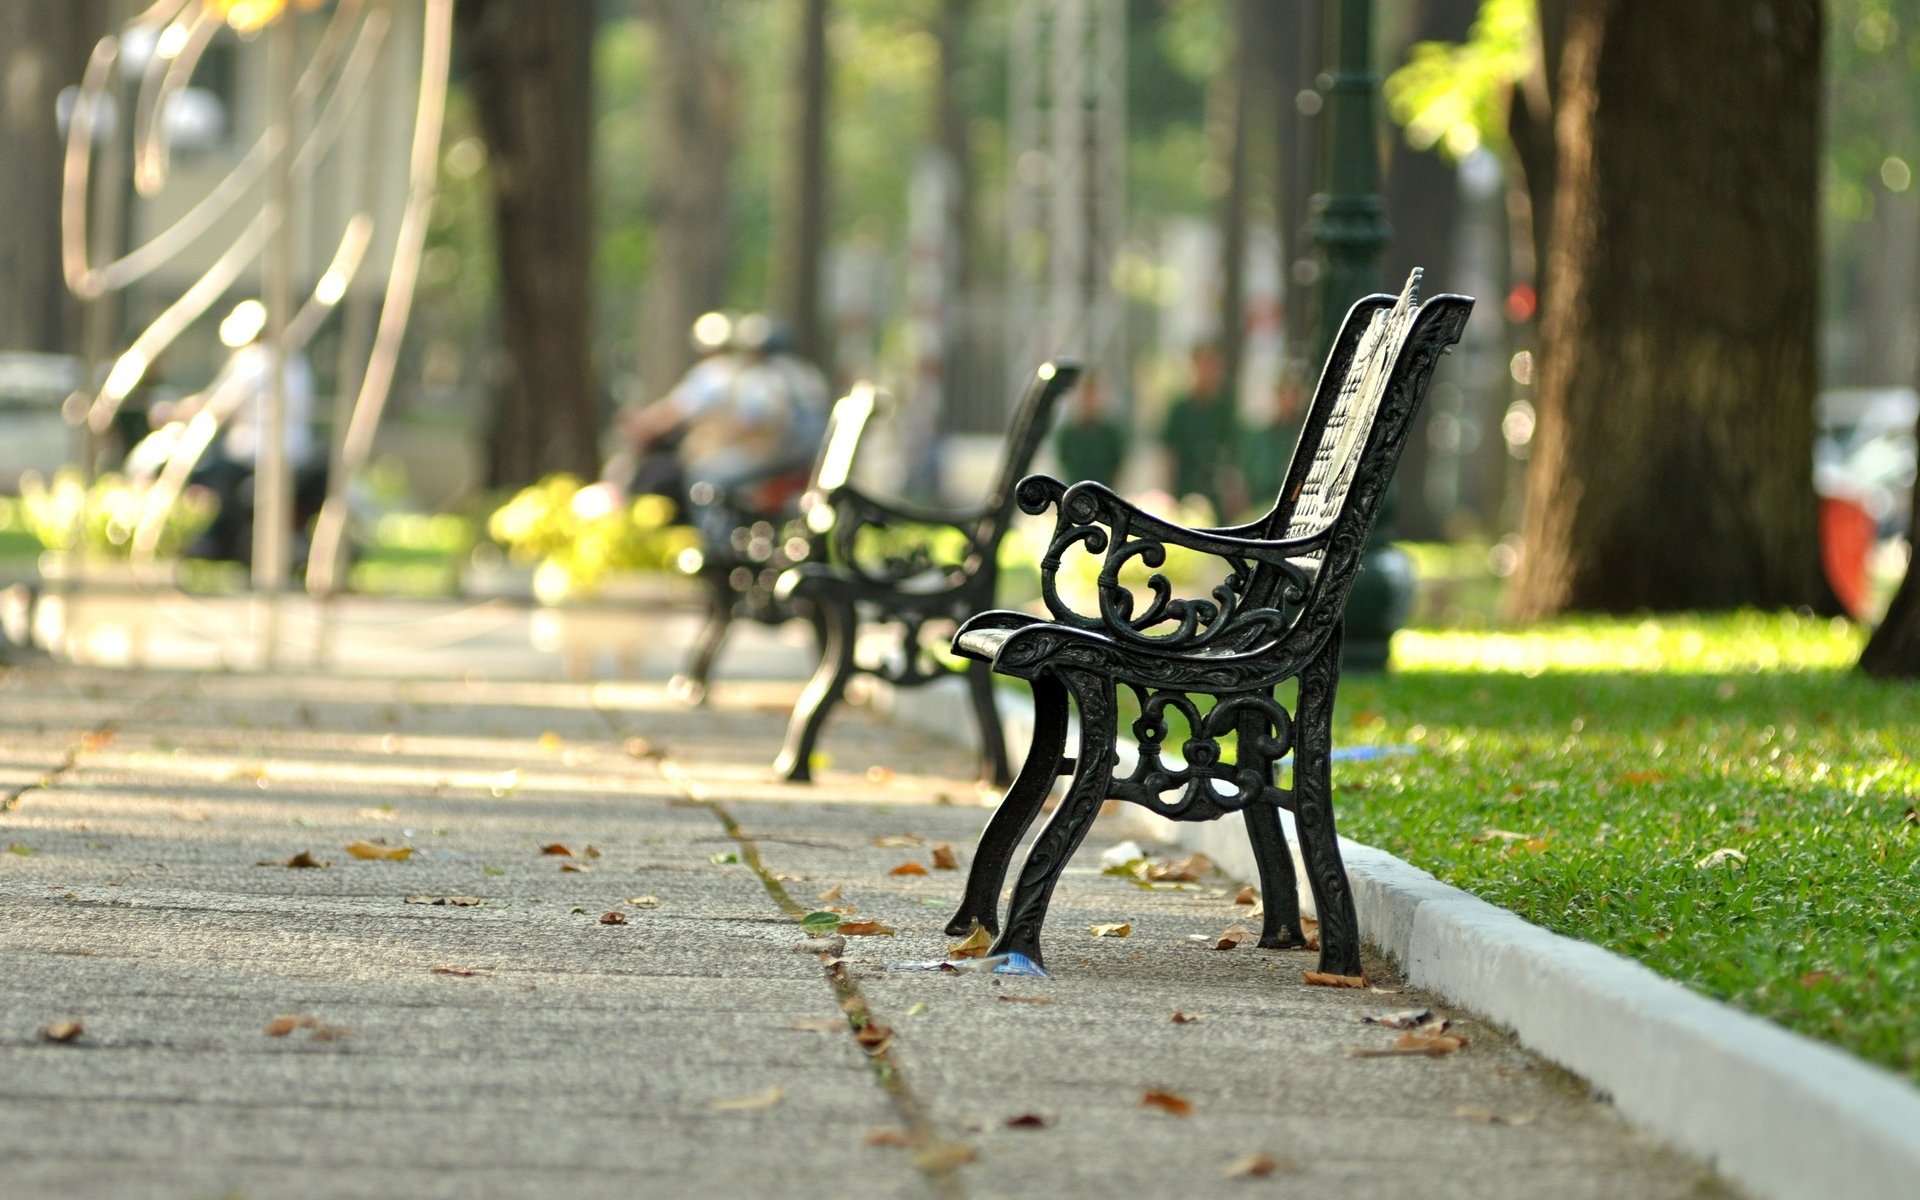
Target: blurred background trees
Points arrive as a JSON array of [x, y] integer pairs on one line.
[[1744, 242]]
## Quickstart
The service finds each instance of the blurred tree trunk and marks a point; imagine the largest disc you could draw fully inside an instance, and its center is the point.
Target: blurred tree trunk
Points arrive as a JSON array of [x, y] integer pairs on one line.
[[1672, 458], [529, 68], [43, 48], [1297, 171], [800, 239], [1893, 652], [1231, 108], [1422, 194], [960, 361], [1530, 127], [694, 112]]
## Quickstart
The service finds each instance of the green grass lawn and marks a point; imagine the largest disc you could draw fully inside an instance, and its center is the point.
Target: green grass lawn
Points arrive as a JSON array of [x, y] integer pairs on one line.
[[1594, 776]]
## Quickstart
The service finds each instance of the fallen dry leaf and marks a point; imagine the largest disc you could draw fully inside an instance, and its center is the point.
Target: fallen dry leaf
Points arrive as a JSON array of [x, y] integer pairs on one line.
[[373, 850], [573, 868], [1231, 936], [1720, 857], [1412, 1044], [1119, 929], [1187, 1018], [760, 1100], [908, 868], [898, 841], [1246, 895], [319, 1030], [62, 1031], [448, 901], [592, 851], [1168, 1102], [97, 739], [556, 848], [302, 859], [613, 916], [865, 929], [644, 901], [884, 1137], [1012, 998], [1258, 1166], [944, 859], [1188, 870], [832, 893], [461, 972], [1324, 979], [874, 1037], [974, 945], [1027, 1121]]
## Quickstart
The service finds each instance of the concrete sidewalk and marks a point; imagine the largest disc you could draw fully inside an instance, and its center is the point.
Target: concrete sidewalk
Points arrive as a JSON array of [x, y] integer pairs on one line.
[[522, 1047]]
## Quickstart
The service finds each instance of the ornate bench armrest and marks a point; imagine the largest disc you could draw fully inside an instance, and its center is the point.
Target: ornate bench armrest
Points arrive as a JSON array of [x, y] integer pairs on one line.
[[887, 542], [1097, 519]]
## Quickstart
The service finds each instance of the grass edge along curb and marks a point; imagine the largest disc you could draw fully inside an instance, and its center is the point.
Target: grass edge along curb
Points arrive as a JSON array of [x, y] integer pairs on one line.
[[1784, 1116]]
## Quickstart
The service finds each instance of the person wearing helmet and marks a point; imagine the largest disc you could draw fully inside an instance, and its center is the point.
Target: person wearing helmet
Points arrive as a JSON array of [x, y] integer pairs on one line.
[[750, 414]]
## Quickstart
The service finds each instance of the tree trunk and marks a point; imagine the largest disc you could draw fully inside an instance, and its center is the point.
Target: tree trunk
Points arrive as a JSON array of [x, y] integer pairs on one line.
[[1672, 458], [1531, 125], [801, 240], [694, 112], [1231, 107], [1297, 175], [43, 48], [529, 69], [961, 363], [1422, 194]]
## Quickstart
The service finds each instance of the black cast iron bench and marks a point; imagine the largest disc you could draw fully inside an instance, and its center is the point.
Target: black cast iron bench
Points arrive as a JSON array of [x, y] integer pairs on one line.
[[917, 572], [1210, 666], [741, 571]]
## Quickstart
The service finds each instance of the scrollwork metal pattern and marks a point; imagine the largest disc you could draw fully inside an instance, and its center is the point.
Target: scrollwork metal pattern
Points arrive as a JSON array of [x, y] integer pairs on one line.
[[1205, 771]]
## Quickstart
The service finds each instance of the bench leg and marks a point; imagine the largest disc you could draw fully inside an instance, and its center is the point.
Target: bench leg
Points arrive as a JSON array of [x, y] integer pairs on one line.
[[993, 742], [691, 684], [1092, 779], [1017, 810], [1313, 813], [823, 691], [1279, 887]]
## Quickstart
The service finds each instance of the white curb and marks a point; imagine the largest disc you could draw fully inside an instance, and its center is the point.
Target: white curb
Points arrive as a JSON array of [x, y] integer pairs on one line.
[[1784, 1116]]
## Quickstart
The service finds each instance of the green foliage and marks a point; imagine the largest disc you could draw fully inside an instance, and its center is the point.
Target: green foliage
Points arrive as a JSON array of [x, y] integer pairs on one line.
[[1453, 97], [579, 534], [99, 520], [1588, 775]]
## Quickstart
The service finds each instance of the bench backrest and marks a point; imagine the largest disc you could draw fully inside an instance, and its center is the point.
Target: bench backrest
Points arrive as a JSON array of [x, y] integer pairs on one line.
[[1372, 358], [846, 424], [1031, 421]]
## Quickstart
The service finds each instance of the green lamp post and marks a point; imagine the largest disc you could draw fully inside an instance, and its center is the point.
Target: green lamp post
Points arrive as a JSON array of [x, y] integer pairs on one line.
[[1349, 226]]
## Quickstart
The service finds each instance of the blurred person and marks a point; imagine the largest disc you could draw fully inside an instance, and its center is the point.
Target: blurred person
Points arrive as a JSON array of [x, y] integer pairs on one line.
[[1268, 448], [237, 399], [752, 414], [1091, 443], [1200, 432]]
